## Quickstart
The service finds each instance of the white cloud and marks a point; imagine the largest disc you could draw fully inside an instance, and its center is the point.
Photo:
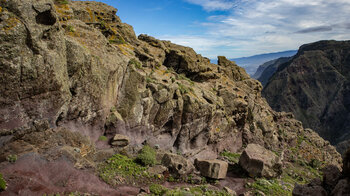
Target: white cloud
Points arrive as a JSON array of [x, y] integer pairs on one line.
[[261, 26]]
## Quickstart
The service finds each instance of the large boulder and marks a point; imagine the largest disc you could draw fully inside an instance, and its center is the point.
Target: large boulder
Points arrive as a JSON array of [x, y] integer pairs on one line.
[[260, 162], [156, 170], [177, 165], [120, 140], [313, 189], [215, 169], [331, 176], [342, 188], [346, 164]]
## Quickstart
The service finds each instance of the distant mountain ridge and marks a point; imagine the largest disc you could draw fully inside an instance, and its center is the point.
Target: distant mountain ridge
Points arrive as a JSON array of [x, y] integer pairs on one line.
[[266, 70], [251, 64], [314, 85]]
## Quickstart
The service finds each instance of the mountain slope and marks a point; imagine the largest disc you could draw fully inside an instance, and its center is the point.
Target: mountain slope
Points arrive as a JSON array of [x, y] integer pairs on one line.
[[251, 64], [269, 68], [314, 85]]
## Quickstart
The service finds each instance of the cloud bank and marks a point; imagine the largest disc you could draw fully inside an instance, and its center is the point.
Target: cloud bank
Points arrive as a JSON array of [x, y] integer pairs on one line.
[[250, 27]]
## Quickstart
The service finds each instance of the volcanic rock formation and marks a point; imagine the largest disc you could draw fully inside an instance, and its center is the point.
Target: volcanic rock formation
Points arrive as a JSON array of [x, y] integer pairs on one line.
[[72, 72]]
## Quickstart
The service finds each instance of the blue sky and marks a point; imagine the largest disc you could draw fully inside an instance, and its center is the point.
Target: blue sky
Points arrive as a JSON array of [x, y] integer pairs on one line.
[[237, 28]]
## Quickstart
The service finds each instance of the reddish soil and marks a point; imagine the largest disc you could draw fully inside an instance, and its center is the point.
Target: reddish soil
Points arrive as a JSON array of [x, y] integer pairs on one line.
[[32, 175]]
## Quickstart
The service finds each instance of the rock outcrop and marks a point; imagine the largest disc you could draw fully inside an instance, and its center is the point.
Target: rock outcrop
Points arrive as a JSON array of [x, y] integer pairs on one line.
[[314, 87], [82, 70], [260, 162]]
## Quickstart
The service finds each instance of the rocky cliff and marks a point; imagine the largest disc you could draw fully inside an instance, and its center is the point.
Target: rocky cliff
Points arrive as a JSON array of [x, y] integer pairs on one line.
[[314, 87], [72, 72]]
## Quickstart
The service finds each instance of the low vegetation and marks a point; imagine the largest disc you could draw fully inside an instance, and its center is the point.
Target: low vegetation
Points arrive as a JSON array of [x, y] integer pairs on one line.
[[3, 184], [268, 187], [102, 138], [136, 63], [12, 158], [147, 156], [201, 190], [120, 169], [231, 157], [62, 2], [184, 89], [285, 183]]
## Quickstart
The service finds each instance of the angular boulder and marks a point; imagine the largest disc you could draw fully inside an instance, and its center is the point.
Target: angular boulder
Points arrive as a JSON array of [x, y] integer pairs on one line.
[[260, 162], [302, 190], [346, 164], [342, 188], [157, 169], [331, 176], [177, 165], [120, 140], [215, 169]]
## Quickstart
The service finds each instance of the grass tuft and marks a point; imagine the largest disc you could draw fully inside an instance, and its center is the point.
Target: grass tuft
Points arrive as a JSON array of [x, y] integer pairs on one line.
[[3, 184], [147, 156]]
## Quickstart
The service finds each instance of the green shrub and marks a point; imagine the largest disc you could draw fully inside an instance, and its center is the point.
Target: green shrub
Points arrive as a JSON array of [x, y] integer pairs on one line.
[[147, 156], [184, 89], [136, 63], [3, 184], [63, 2], [232, 157], [102, 138], [70, 28], [12, 158], [157, 189], [118, 40], [314, 163]]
